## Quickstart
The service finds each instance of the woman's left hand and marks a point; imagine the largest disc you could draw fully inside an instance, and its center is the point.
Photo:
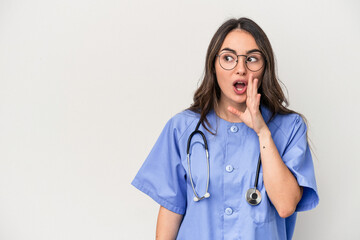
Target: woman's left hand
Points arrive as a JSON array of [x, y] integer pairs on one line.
[[251, 116]]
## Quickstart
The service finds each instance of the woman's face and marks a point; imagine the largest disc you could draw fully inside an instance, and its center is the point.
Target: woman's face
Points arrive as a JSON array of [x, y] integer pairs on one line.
[[233, 83]]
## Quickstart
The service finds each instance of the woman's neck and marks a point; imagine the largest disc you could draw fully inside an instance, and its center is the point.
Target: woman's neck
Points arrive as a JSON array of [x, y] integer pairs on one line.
[[222, 112]]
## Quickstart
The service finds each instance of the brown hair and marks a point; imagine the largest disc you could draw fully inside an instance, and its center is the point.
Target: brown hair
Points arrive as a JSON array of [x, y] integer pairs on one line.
[[207, 96]]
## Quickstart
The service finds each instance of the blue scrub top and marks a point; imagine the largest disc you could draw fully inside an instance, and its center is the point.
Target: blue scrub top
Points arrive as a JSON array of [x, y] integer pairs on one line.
[[233, 155]]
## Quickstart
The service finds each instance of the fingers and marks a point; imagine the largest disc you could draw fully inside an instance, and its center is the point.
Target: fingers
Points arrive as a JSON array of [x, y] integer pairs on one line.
[[253, 98], [251, 90], [249, 86], [253, 85], [255, 89], [234, 111]]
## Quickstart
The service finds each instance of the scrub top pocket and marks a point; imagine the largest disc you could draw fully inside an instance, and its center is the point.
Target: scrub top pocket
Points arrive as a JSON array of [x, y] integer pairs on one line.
[[265, 211]]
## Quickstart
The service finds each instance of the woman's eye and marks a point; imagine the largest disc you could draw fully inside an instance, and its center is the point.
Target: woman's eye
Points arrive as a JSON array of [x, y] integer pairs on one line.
[[228, 58], [252, 59]]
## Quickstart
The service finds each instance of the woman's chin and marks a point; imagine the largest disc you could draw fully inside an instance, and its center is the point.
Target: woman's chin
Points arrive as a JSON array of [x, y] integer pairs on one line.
[[240, 100]]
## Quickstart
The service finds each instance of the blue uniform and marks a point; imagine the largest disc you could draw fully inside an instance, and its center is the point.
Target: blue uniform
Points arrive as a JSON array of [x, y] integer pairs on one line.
[[233, 155]]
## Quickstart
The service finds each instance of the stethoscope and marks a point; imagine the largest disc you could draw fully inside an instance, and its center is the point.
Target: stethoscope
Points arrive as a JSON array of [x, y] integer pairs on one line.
[[252, 196]]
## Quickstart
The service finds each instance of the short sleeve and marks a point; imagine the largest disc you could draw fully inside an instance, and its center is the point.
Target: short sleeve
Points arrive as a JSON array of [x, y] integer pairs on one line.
[[298, 159], [162, 177]]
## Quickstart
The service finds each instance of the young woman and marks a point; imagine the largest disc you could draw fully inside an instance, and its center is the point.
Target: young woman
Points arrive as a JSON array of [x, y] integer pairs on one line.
[[257, 172]]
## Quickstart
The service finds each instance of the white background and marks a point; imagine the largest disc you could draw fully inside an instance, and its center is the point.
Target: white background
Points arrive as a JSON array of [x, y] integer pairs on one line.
[[86, 87]]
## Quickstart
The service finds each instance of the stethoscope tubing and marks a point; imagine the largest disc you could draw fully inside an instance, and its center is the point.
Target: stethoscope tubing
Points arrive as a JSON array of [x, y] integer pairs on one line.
[[207, 194], [252, 196]]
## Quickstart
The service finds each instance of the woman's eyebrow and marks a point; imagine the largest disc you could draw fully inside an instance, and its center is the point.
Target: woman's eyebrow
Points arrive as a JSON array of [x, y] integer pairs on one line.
[[253, 50], [233, 51], [229, 49]]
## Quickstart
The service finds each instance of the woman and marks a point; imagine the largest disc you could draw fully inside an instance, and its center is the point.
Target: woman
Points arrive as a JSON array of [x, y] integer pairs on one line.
[[241, 112]]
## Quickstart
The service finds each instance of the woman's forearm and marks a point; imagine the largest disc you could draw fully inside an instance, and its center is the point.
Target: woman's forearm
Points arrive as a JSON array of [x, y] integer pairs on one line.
[[280, 184], [168, 224]]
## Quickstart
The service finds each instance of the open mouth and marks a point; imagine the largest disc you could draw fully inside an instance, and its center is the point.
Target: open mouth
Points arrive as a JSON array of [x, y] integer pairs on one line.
[[239, 86]]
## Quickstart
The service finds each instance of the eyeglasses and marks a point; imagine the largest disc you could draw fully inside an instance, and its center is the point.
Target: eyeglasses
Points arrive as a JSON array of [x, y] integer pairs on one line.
[[254, 61]]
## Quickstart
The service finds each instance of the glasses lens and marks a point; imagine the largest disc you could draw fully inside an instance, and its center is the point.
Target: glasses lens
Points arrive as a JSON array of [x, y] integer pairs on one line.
[[254, 62], [228, 60]]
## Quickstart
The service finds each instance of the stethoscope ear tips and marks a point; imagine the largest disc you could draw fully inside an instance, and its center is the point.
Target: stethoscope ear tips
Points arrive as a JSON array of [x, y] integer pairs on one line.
[[196, 199]]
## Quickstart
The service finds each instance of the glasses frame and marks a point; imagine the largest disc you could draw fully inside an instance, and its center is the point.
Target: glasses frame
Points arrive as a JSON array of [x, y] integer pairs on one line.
[[237, 60]]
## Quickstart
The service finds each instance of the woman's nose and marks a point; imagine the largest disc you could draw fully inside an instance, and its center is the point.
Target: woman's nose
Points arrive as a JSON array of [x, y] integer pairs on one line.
[[240, 66]]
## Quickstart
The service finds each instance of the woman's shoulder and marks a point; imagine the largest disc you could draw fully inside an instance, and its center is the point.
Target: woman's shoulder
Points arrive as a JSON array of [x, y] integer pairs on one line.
[[183, 121], [286, 123], [288, 120], [185, 116]]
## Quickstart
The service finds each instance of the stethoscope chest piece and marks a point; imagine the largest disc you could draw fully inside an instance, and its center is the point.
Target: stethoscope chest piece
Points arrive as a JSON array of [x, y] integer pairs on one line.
[[253, 196]]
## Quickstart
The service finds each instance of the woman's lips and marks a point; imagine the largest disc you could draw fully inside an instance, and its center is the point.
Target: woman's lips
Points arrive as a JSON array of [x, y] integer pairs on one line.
[[240, 87]]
